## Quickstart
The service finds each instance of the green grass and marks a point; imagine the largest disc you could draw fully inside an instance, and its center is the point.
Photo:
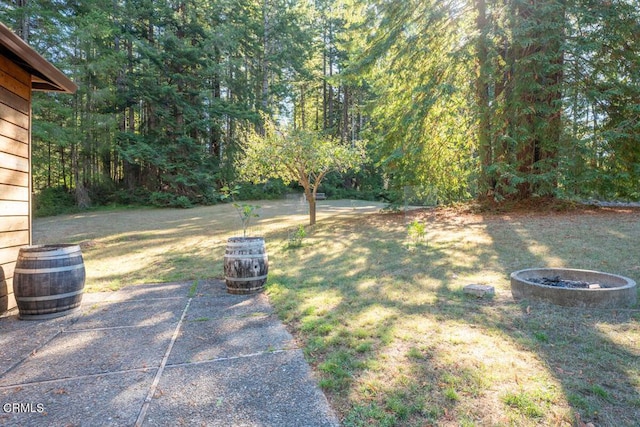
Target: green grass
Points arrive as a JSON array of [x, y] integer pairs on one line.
[[193, 289], [399, 310], [385, 325], [524, 404]]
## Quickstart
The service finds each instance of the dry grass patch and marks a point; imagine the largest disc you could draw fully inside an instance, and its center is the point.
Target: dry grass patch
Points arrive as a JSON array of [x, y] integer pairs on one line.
[[128, 247]]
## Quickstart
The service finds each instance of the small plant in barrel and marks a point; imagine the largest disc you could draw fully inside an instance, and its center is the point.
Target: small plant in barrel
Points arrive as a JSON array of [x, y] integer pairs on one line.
[[246, 263], [245, 210]]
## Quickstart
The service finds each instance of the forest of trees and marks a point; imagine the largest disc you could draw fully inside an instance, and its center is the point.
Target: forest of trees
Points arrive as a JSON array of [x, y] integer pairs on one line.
[[495, 99]]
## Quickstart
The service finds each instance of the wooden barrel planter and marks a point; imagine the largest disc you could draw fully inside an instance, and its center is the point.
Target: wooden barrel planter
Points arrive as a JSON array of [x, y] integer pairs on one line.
[[246, 265], [48, 281]]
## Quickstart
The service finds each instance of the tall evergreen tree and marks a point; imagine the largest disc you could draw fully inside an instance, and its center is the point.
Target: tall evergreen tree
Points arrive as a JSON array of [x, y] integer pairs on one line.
[[494, 98], [519, 96]]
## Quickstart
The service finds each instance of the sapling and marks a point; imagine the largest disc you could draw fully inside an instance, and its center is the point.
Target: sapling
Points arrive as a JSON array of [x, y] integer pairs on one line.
[[245, 210], [295, 238], [416, 230]]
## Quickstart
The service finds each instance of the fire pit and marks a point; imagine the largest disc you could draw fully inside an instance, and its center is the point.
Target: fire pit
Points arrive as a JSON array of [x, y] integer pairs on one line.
[[571, 287]]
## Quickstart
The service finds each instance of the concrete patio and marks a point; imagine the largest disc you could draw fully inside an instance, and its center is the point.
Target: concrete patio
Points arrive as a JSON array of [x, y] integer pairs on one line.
[[158, 355]]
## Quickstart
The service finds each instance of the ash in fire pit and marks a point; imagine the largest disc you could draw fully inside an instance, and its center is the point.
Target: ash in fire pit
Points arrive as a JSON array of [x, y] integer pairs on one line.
[[563, 283], [571, 287]]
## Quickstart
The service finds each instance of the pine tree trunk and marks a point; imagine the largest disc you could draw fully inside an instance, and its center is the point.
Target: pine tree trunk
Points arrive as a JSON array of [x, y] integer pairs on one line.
[[486, 183], [25, 27], [266, 51], [345, 114]]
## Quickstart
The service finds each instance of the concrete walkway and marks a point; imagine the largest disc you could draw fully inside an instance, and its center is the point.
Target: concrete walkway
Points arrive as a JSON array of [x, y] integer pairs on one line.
[[158, 355]]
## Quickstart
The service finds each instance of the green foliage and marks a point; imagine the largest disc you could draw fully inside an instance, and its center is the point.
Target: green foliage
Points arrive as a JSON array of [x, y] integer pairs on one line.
[[162, 90], [169, 200], [296, 237], [506, 100], [604, 100], [192, 289], [53, 201], [451, 394], [136, 197], [365, 184], [597, 390], [541, 337], [362, 415], [338, 368], [421, 128], [524, 403], [271, 189], [245, 211], [296, 155], [497, 99], [416, 231]]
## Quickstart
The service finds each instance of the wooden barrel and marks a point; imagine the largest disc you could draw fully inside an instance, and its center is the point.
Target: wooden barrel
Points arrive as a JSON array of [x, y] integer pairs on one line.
[[245, 265], [48, 281], [4, 292]]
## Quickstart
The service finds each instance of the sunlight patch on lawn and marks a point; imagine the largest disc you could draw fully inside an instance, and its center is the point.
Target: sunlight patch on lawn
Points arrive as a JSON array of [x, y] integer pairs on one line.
[[373, 315], [321, 303], [134, 259], [622, 336]]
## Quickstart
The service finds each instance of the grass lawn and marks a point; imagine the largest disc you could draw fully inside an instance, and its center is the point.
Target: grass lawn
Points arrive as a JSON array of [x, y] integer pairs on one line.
[[382, 317]]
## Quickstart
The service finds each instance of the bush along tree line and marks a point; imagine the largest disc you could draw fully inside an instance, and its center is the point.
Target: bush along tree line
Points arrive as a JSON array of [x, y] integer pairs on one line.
[[498, 100]]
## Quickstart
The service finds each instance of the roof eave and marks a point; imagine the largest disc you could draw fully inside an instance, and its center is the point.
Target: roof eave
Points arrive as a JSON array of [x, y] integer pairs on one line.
[[44, 76]]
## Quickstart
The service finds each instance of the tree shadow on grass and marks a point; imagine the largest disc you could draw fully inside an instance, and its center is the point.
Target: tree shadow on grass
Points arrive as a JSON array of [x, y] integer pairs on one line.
[[396, 342], [588, 351]]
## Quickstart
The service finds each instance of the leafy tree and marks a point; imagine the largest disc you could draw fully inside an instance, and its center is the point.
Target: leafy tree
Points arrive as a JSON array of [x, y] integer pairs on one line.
[[419, 73], [164, 86], [297, 155]]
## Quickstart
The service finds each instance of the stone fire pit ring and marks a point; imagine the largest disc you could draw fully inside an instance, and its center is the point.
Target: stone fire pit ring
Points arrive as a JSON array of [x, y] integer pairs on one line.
[[614, 291]]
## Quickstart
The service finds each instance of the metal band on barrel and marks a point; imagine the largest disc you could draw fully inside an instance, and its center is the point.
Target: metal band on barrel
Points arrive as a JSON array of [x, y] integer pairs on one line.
[[48, 270], [246, 256], [49, 297], [245, 279]]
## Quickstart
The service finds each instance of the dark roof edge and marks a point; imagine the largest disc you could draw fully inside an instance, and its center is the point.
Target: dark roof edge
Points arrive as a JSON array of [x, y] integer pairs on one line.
[[54, 79]]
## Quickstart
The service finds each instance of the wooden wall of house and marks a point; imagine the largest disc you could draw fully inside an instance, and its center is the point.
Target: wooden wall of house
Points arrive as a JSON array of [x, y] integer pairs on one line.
[[15, 185]]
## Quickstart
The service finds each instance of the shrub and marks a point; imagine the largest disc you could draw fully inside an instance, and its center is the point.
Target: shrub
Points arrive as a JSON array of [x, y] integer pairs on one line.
[[53, 201], [138, 196], [169, 200], [100, 193], [296, 237], [272, 189], [416, 231]]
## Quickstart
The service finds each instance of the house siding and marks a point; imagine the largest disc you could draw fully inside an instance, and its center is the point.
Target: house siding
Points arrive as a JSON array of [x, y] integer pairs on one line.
[[15, 165]]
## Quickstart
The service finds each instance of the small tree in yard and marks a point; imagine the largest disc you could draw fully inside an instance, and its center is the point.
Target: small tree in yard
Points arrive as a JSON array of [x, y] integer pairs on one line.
[[297, 156]]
